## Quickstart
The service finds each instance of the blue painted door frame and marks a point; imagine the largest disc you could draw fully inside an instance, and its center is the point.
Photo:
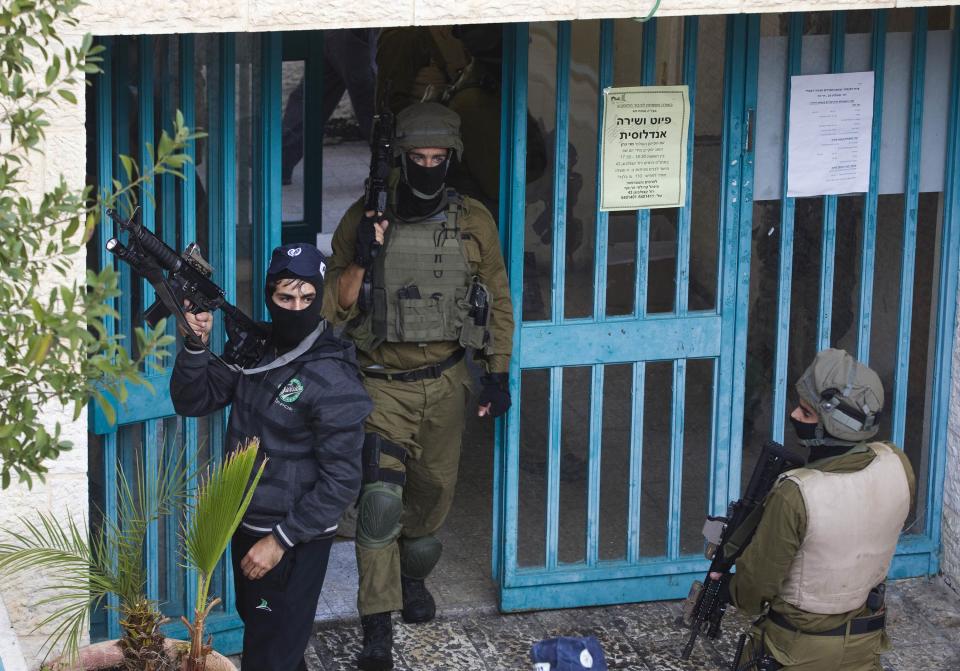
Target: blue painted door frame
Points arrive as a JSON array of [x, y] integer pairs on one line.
[[718, 335], [146, 422]]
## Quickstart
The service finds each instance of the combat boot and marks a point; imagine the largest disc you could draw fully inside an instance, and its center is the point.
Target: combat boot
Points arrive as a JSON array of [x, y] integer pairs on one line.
[[418, 603], [377, 653]]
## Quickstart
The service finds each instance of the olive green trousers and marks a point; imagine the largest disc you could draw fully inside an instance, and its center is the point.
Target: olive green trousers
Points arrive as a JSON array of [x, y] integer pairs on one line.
[[797, 651], [426, 418]]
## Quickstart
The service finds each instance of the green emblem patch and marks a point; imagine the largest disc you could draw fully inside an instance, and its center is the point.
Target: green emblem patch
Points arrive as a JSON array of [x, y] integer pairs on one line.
[[291, 392]]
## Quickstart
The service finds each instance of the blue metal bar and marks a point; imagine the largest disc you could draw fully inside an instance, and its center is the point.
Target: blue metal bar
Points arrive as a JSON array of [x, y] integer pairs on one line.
[[560, 172], [313, 133], [908, 260], [168, 183], [868, 253], [188, 232], [605, 80], [554, 454], [517, 209], [227, 230], [787, 211], [828, 251], [105, 160], [946, 311], [623, 341], [149, 432], [267, 232], [676, 457], [500, 440], [121, 130], [148, 208], [648, 70], [636, 462], [740, 93], [745, 231], [593, 465], [684, 215], [145, 87]]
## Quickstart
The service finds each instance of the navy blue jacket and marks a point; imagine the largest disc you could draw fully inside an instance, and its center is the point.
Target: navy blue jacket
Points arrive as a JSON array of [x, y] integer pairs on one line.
[[309, 417]]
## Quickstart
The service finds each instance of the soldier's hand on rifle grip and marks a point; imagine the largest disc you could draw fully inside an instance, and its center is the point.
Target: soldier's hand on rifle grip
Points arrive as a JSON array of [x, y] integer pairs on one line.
[[201, 323], [370, 237]]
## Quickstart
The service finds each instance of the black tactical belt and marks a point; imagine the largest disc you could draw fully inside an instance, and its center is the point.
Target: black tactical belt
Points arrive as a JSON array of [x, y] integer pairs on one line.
[[861, 625], [431, 372]]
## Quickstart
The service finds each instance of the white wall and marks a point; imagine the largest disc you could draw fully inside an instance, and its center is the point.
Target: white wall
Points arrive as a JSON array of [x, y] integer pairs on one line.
[[65, 490], [114, 17], [950, 565]]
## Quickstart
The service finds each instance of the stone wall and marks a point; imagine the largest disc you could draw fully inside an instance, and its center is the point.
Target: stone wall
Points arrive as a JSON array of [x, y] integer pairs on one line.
[[115, 17], [65, 491], [950, 566]]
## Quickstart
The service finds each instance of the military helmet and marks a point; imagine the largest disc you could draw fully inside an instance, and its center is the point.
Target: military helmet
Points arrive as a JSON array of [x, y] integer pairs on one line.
[[846, 395], [427, 125]]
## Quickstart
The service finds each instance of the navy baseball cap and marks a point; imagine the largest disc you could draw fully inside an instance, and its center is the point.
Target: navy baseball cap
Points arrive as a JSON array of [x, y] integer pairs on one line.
[[298, 260], [567, 653]]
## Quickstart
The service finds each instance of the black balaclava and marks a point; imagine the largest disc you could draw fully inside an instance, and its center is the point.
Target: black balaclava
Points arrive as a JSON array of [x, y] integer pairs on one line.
[[808, 431], [421, 190], [296, 261]]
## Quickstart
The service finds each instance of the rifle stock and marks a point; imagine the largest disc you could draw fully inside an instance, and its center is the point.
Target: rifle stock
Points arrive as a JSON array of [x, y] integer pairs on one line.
[[727, 538]]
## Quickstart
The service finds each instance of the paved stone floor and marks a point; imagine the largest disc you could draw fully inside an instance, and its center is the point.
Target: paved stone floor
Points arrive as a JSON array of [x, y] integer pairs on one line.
[[924, 626]]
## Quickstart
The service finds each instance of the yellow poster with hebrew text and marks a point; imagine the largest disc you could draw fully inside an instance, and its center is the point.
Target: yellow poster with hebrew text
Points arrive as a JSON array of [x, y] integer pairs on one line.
[[644, 148]]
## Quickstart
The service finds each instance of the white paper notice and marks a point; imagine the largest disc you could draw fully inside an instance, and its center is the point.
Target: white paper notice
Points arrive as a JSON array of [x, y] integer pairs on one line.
[[831, 118], [643, 157]]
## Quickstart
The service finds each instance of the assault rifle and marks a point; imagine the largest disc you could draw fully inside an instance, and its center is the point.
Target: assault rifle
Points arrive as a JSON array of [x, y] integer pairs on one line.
[[178, 277], [376, 188], [727, 538]]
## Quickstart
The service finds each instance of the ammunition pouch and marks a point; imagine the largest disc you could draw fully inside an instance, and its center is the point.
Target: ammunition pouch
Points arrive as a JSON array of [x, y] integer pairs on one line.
[[373, 446]]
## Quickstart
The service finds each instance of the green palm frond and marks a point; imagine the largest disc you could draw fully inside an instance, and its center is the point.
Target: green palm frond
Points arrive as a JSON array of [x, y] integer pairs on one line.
[[48, 544], [221, 500], [88, 569]]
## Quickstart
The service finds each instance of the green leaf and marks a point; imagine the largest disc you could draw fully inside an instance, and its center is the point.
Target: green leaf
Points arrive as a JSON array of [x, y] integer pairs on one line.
[[127, 166], [68, 95], [222, 499], [53, 71]]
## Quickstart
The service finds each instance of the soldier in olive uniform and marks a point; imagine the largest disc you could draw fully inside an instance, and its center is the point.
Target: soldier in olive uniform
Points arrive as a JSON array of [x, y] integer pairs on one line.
[[460, 67], [821, 552], [437, 286]]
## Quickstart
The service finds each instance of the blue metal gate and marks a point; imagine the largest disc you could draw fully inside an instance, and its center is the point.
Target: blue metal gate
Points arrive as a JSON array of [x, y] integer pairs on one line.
[[626, 363], [642, 374]]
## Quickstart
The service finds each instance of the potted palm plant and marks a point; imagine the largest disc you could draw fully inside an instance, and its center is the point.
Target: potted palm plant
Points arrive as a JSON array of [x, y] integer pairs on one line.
[[221, 500], [111, 562]]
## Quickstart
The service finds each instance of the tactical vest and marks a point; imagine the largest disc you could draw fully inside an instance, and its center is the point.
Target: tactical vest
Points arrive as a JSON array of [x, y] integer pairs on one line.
[[422, 283], [853, 524]]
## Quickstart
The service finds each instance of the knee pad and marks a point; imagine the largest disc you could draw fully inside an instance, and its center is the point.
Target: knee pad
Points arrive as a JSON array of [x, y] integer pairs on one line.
[[378, 514], [418, 556]]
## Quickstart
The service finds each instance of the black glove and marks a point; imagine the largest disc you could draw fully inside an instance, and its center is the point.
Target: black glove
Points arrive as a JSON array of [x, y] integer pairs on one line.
[[367, 246], [496, 392]]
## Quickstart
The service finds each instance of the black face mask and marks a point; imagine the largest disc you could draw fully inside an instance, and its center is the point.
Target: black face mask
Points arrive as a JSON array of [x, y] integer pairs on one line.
[[425, 183], [804, 430], [292, 326]]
